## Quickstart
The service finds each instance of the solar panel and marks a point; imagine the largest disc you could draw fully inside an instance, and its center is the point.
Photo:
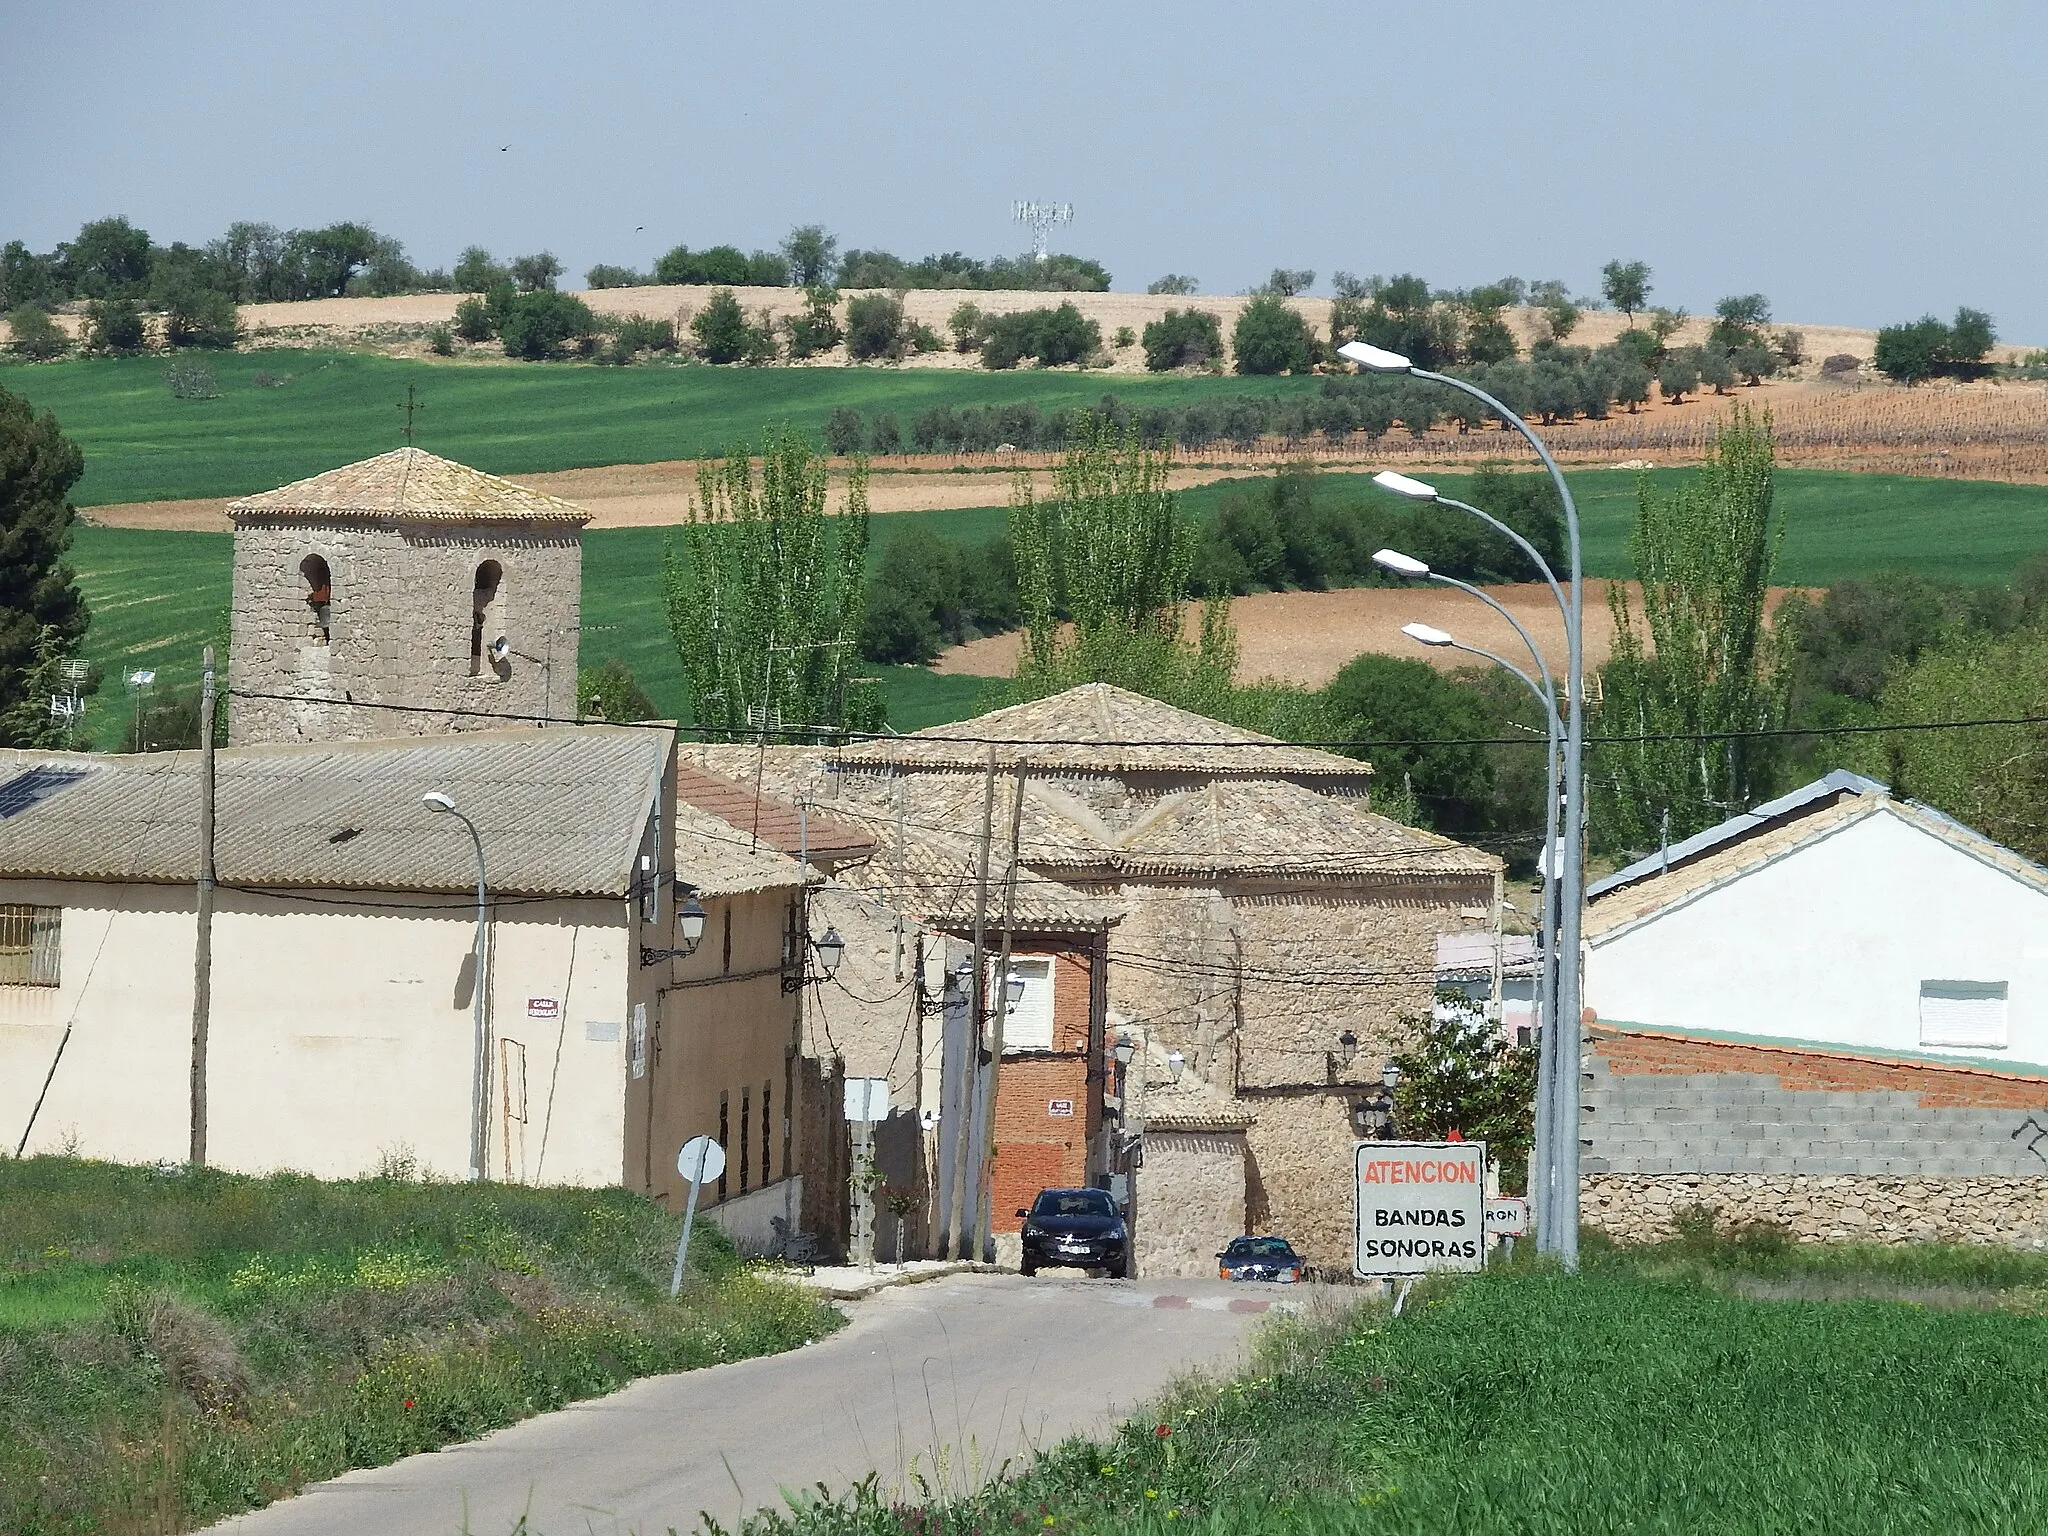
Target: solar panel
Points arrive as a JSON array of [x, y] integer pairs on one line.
[[35, 786]]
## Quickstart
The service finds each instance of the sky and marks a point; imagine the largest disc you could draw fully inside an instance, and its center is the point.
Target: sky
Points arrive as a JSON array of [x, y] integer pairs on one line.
[[1858, 163]]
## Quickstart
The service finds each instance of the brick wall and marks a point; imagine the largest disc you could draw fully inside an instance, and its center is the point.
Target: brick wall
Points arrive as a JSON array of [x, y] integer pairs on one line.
[[1036, 1149], [1829, 1145]]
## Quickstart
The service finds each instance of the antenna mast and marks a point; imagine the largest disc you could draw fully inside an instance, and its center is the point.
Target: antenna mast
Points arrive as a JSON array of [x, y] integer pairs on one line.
[[1041, 217]]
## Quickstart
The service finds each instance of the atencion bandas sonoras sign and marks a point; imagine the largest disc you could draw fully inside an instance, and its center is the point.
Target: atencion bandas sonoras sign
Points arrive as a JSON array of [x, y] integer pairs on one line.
[[1421, 1206]]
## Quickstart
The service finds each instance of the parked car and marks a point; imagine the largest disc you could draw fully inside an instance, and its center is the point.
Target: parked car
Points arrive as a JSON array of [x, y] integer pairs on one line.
[[1076, 1229], [1259, 1258]]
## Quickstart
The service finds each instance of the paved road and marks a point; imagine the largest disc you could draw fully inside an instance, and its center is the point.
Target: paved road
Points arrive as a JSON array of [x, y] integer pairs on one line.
[[962, 1374]]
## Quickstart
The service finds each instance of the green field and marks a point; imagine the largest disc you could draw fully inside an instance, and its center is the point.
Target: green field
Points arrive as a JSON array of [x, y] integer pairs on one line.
[[1649, 1394], [142, 444], [158, 597]]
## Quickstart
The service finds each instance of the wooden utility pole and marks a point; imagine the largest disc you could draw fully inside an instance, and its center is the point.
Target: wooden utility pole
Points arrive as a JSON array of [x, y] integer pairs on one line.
[[984, 1203], [202, 947], [957, 1221]]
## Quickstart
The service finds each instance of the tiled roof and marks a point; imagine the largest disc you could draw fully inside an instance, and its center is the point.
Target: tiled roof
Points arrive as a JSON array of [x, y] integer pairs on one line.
[[767, 817], [1105, 729], [933, 879], [559, 812], [414, 485], [1264, 827], [720, 859]]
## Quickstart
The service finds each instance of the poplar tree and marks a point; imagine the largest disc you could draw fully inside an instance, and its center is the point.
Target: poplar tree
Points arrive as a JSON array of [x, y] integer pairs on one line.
[[42, 613], [765, 599], [1701, 663]]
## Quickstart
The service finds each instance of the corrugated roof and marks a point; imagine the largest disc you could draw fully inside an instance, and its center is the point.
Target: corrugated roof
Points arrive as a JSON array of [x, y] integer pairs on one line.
[[414, 485], [722, 860], [1622, 907], [1803, 801], [559, 812], [769, 818], [1104, 729]]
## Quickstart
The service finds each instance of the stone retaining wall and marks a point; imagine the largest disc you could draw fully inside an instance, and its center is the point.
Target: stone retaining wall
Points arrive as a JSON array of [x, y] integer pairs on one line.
[[1826, 1208]]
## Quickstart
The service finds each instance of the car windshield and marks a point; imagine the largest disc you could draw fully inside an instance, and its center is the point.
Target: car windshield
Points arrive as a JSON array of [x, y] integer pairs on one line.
[[1261, 1248], [1073, 1202]]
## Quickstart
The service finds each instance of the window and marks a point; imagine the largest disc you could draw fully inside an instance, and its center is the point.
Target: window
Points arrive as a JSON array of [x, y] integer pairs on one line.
[[724, 1135], [28, 946], [1029, 1024], [319, 598], [489, 575], [1963, 1013]]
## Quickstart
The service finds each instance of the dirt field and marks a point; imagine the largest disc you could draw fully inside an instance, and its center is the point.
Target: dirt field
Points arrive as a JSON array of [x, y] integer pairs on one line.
[[1307, 637]]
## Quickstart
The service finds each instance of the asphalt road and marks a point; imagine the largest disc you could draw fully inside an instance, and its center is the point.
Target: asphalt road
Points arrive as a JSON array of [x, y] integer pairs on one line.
[[949, 1379]]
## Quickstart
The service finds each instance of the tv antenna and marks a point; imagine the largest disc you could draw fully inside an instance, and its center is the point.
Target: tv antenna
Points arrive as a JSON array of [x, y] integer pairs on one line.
[[1041, 217], [67, 705], [412, 408]]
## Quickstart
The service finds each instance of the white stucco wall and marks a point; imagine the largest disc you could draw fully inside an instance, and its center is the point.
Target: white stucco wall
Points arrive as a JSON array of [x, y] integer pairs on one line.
[[341, 1029], [1830, 943]]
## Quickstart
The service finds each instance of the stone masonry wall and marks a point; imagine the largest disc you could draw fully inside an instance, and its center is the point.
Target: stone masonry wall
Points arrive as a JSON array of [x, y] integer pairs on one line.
[[398, 627], [1300, 1182], [1191, 1200], [1833, 1147]]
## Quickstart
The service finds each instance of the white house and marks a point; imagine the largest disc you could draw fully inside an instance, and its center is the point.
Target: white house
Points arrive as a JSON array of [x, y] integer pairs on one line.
[[1835, 915]]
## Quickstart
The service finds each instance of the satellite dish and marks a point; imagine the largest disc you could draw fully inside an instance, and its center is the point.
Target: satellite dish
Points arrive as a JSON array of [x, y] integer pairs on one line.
[[701, 1160], [501, 648]]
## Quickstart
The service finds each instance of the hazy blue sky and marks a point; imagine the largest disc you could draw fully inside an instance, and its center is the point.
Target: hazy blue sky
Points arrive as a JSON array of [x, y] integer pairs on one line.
[[1859, 163]]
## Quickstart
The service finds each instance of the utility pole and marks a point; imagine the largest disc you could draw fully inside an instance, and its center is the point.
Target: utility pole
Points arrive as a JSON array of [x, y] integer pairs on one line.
[[202, 947], [963, 1133], [985, 1196]]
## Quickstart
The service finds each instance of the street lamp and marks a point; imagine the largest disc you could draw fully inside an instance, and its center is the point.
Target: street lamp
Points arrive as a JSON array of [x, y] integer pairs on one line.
[[1562, 1043], [480, 1065], [1347, 1048], [829, 949], [1372, 1117], [1409, 566]]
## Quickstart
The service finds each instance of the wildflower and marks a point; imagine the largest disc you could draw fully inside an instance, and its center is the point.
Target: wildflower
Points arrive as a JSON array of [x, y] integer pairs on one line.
[[408, 1402], [1050, 1521], [1163, 1431], [1151, 1493], [1109, 1471]]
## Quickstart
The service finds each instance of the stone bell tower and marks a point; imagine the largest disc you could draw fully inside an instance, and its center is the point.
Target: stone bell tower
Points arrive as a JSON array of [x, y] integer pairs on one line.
[[405, 580]]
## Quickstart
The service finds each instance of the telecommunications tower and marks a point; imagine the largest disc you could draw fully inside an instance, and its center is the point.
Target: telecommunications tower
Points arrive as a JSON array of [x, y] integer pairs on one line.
[[1041, 217]]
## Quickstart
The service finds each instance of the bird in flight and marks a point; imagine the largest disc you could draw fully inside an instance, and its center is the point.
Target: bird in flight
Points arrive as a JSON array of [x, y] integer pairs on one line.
[[638, 227], [503, 147]]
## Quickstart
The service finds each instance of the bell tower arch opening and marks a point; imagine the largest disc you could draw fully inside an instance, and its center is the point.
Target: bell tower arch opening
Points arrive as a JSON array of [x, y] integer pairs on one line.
[[490, 577], [319, 597]]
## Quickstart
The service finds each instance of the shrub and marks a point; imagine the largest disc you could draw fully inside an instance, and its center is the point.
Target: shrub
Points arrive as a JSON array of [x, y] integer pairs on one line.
[[723, 266], [817, 328], [475, 319], [34, 335], [875, 329], [639, 333], [1927, 349], [843, 431], [1053, 336], [1271, 338], [611, 692], [202, 317], [1125, 337], [475, 272], [886, 436], [1840, 362], [920, 337], [191, 381], [1174, 283], [721, 328], [114, 326], [967, 325], [760, 346], [604, 275], [1183, 338], [538, 324], [440, 341]]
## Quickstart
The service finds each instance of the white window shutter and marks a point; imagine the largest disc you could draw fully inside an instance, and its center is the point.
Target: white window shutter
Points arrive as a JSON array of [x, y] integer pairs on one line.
[[1967, 1014]]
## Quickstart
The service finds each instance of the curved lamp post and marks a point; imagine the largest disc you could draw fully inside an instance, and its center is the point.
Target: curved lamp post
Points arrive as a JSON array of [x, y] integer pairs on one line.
[[1543, 1177], [480, 1066], [1572, 895]]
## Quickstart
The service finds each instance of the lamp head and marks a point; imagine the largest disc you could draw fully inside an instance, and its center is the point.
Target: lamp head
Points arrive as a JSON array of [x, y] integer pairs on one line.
[[1405, 485], [1013, 989], [1400, 564], [501, 649], [1374, 359], [1423, 634], [1176, 1064], [690, 918], [829, 949], [1125, 1049], [1390, 1074], [434, 800]]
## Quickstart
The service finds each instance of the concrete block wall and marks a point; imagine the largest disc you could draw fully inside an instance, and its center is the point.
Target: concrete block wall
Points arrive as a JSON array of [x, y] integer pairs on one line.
[[1828, 1145]]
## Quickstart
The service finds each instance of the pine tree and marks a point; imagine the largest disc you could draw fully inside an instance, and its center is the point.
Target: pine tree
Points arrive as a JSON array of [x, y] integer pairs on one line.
[[38, 589], [765, 602]]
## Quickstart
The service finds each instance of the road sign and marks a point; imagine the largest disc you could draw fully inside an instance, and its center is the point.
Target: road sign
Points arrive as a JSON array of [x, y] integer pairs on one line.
[[701, 1160], [1421, 1207], [867, 1098], [1507, 1216]]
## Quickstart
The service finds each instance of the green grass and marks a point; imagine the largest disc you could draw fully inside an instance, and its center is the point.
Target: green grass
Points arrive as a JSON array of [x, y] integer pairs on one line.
[[142, 444], [178, 1347], [1646, 1394]]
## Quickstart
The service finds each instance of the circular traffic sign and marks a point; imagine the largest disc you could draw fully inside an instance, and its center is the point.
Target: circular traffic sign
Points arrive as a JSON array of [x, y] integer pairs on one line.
[[701, 1160]]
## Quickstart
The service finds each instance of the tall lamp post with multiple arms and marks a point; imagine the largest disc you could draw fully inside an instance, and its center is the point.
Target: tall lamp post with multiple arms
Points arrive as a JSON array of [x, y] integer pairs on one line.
[[1543, 1159], [479, 1084], [1564, 1027]]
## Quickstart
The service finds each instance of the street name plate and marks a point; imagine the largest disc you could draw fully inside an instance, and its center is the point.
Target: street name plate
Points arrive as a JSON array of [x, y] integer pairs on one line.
[[1421, 1207], [1507, 1216]]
